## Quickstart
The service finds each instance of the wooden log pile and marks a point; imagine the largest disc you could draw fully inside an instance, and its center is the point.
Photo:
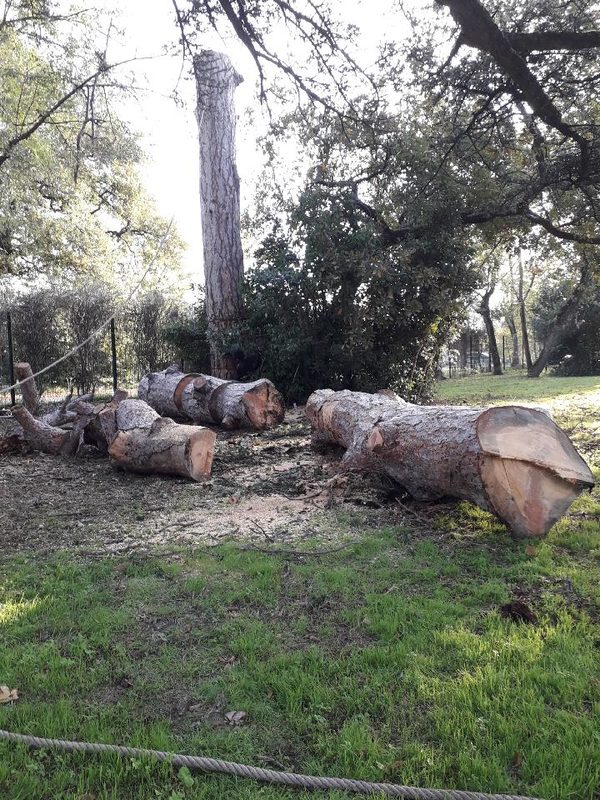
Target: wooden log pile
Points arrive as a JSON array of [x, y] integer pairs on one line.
[[133, 435], [510, 460], [213, 401]]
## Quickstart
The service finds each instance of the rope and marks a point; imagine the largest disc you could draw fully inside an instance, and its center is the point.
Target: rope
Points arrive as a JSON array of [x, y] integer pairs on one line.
[[257, 773], [100, 328]]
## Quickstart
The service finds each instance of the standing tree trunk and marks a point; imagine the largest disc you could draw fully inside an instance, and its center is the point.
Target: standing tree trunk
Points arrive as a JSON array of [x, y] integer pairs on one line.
[[515, 361], [216, 80], [484, 310], [523, 317]]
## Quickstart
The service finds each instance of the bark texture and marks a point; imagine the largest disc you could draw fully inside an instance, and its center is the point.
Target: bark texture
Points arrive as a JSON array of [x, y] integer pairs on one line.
[[134, 436], [206, 399], [141, 441], [29, 392], [510, 460], [485, 311], [216, 80]]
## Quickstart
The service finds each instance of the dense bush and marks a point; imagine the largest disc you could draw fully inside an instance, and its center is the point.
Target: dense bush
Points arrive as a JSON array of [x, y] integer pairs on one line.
[[329, 305], [579, 353], [50, 321]]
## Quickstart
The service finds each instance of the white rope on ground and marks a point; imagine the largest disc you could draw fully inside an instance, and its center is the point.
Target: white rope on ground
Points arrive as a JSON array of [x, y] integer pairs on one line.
[[258, 773], [100, 328]]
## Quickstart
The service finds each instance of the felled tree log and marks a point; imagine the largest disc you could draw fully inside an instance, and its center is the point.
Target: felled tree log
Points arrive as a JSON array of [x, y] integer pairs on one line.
[[510, 460], [203, 398], [132, 433], [41, 436], [29, 392], [142, 441]]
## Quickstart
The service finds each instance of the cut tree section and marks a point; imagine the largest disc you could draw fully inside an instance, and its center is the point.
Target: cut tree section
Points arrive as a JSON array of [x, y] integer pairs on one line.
[[510, 460], [142, 441], [135, 437], [206, 399], [29, 392]]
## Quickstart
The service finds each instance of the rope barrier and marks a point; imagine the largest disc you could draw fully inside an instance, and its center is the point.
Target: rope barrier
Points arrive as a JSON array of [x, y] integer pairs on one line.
[[257, 773], [100, 328]]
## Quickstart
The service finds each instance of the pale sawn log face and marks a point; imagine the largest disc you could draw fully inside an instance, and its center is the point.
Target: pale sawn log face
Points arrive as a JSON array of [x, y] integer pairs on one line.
[[208, 400], [512, 461]]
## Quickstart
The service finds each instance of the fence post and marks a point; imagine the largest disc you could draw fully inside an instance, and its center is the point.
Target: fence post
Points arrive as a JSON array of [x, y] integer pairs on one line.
[[113, 352], [11, 357]]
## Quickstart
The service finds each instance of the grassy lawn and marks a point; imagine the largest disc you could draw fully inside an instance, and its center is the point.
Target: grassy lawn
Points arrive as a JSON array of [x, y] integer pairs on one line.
[[387, 660], [486, 388]]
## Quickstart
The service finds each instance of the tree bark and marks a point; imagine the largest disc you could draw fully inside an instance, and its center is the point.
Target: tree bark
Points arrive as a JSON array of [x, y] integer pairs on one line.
[[484, 310], [523, 316], [29, 392], [216, 80], [140, 440], [203, 398], [134, 435], [41, 436], [512, 461]]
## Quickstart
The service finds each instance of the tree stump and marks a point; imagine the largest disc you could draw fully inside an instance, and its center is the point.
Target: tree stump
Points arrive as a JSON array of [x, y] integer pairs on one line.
[[510, 460]]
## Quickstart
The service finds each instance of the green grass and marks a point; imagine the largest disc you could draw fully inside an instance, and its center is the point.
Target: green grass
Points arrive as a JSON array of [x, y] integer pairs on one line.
[[388, 660], [486, 388]]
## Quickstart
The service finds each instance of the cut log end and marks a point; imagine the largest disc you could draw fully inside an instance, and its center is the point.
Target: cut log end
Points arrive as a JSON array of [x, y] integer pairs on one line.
[[206, 399], [530, 470], [201, 453], [264, 406]]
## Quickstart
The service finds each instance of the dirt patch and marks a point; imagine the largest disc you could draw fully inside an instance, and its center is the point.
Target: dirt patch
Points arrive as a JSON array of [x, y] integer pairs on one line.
[[265, 487]]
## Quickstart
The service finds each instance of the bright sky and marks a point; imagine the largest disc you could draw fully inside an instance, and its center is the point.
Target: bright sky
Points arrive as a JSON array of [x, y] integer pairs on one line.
[[169, 130]]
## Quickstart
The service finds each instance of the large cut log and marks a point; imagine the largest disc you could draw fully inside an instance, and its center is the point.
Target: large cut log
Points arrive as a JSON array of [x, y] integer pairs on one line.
[[203, 398], [29, 392], [142, 441], [41, 436], [510, 460], [132, 433]]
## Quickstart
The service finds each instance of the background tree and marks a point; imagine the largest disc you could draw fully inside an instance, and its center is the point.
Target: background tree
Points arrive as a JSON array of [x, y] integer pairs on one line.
[[501, 96], [71, 201]]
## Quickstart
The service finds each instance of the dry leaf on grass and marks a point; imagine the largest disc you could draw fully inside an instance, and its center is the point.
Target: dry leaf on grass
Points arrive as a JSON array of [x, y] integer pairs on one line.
[[8, 695], [235, 717]]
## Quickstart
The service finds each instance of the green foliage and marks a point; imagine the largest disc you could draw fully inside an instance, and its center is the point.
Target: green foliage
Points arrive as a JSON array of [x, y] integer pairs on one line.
[[329, 304], [579, 352], [51, 320], [187, 335], [71, 200]]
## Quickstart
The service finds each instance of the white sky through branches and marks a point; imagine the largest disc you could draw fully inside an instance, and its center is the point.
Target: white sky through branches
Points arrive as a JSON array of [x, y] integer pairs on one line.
[[168, 129]]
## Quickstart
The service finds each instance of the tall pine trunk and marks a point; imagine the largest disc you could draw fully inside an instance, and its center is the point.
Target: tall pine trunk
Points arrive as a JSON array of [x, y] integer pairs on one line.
[[216, 80]]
